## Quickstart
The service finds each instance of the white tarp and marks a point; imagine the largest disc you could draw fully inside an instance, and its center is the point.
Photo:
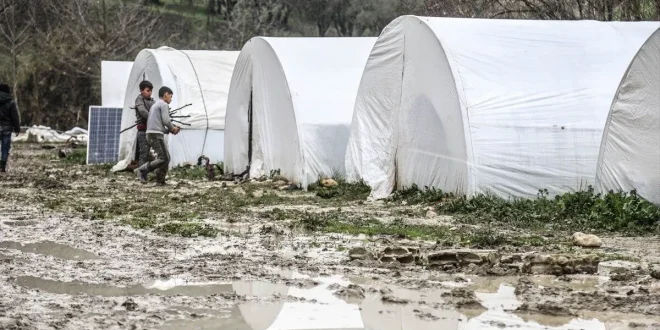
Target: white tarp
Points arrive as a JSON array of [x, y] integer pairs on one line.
[[302, 92], [630, 151], [45, 134], [488, 106], [114, 78], [200, 78]]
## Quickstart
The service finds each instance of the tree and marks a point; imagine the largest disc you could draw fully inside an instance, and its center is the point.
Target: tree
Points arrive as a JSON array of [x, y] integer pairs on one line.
[[76, 35], [14, 32]]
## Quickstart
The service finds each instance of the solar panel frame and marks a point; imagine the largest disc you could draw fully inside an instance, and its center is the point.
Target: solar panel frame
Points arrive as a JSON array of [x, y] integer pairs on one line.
[[104, 131]]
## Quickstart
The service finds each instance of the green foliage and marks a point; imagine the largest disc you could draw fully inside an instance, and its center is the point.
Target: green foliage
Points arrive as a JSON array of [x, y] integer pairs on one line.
[[344, 190], [77, 157], [414, 195], [188, 172], [187, 229], [583, 210]]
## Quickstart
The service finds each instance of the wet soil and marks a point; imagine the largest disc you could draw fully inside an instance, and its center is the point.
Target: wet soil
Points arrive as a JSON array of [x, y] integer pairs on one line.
[[82, 248]]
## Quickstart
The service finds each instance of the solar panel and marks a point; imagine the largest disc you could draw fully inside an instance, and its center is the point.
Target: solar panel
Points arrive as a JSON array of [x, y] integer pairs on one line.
[[104, 128]]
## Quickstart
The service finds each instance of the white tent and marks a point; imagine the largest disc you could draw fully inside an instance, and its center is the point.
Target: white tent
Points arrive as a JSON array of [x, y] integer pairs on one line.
[[488, 106], [200, 78], [114, 78], [302, 92], [630, 151]]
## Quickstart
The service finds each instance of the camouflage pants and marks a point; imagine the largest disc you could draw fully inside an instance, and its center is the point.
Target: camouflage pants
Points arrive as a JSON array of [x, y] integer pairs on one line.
[[143, 148], [162, 162]]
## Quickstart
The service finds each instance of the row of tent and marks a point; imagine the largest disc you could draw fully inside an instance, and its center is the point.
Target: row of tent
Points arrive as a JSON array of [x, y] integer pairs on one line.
[[469, 106]]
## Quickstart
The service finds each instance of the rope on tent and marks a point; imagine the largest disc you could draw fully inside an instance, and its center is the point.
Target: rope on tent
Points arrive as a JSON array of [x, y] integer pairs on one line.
[[201, 91]]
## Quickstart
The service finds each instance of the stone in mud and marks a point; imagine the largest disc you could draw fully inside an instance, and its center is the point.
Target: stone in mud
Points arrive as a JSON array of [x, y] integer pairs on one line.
[[511, 259], [431, 214], [655, 272], [257, 193], [353, 291], [558, 265], [280, 183], [130, 305], [409, 259], [461, 258], [386, 259], [389, 298], [586, 240], [360, 253], [621, 275], [442, 258], [397, 251], [546, 308], [329, 183]]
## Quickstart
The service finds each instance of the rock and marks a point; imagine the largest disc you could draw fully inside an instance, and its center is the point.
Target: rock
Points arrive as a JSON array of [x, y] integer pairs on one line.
[[129, 304], [280, 183], [351, 292], [431, 214], [586, 240], [394, 300], [397, 251], [655, 273], [329, 183], [359, 253], [257, 193]]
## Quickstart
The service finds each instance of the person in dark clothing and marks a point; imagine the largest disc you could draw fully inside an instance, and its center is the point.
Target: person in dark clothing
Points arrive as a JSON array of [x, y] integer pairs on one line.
[[143, 103], [9, 122]]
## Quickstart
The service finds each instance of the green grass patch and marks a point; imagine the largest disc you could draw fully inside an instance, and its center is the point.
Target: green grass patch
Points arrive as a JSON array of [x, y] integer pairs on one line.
[[343, 191], [77, 157], [187, 229], [415, 196], [188, 172], [584, 210]]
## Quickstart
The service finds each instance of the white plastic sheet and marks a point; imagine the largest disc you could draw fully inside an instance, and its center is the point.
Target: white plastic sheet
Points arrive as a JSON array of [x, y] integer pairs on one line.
[[302, 92], [45, 134], [114, 78], [488, 106], [200, 78], [630, 150]]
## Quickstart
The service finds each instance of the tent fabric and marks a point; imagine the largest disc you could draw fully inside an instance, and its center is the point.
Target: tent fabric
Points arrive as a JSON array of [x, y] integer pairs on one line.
[[630, 151], [301, 92], [472, 106], [114, 78], [199, 78]]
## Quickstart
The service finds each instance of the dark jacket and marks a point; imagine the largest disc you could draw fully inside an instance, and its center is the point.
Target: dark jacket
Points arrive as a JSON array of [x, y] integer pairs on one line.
[[142, 106], [9, 119]]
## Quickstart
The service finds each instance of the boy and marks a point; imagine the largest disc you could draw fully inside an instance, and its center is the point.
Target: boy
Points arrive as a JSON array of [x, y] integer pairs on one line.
[[159, 124], [143, 103], [9, 122]]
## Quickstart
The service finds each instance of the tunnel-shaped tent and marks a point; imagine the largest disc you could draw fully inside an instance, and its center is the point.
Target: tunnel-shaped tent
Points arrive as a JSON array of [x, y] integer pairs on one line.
[[199, 78], [630, 150], [290, 106], [488, 106]]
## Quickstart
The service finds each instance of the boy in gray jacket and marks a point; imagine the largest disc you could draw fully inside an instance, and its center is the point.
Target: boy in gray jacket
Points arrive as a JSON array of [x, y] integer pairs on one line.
[[143, 103], [158, 125]]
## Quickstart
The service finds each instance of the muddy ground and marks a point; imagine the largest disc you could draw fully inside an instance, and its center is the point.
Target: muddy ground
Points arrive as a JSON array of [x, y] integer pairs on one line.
[[83, 248]]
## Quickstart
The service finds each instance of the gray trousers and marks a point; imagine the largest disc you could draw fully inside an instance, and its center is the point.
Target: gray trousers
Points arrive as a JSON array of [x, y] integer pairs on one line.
[[143, 148], [162, 162]]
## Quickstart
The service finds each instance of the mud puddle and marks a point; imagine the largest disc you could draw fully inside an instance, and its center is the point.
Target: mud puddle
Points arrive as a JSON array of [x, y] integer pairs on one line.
[[336, 303], [20, 223], [164, 288], [48, 248]]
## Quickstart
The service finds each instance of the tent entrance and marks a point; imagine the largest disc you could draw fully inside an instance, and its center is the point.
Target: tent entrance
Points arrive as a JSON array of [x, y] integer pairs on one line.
[[250, 119]]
